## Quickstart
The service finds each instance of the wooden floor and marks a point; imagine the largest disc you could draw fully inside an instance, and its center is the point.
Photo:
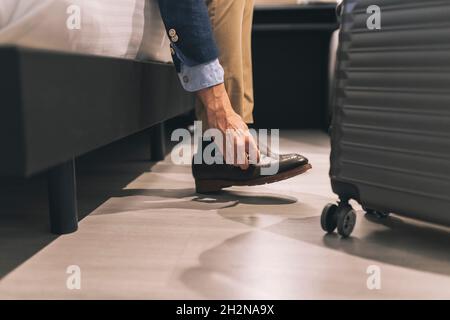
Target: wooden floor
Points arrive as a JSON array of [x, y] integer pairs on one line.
[[146, 234]]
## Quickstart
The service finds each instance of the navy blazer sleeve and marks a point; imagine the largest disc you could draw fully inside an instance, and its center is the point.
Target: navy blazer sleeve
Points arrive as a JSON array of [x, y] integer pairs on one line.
[[189, 28]]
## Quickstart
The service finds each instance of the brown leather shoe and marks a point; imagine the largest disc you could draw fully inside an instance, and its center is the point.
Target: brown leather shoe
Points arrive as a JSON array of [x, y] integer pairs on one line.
[[215, 177]]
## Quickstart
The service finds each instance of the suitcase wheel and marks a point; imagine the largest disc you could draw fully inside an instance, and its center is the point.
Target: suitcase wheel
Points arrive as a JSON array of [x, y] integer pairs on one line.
[[328, 220], [341, 216], [346, 220]]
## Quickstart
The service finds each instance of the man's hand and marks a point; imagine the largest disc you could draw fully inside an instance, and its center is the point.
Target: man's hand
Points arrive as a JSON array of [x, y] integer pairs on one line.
[[220, 115]]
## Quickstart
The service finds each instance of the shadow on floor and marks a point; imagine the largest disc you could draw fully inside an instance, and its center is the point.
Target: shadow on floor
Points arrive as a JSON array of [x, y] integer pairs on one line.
[[394, 240], [187, 199], [251, 265], [24, 221], [238, 267], [102, 177]]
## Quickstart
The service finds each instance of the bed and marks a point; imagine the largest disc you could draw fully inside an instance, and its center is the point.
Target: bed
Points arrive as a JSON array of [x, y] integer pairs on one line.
[[66, 91]]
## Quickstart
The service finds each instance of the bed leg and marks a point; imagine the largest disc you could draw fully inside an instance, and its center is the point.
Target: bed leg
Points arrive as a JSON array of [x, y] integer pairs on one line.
[[63, 198], [157, 143]]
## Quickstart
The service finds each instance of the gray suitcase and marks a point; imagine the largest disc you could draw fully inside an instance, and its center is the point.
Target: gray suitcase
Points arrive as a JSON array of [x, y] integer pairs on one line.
[[391, 115]]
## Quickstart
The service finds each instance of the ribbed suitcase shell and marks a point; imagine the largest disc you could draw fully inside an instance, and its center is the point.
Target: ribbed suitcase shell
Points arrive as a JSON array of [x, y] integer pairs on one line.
[[391, 124]]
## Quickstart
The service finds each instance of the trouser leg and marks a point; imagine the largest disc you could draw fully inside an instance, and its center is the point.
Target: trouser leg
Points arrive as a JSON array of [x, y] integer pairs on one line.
[[231, 21], [247, 110]]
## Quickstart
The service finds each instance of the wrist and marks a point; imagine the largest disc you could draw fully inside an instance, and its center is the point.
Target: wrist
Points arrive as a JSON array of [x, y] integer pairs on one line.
[[215, 99]]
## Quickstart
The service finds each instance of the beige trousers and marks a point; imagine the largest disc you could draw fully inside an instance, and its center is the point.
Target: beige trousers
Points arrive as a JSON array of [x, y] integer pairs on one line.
[[232, 25]]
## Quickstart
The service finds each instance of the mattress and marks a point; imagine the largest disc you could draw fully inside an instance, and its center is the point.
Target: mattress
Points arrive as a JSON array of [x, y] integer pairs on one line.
[[130, 29]]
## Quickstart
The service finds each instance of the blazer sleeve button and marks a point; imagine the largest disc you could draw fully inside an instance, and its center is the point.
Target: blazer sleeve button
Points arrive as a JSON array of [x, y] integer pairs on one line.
[[172, 33]]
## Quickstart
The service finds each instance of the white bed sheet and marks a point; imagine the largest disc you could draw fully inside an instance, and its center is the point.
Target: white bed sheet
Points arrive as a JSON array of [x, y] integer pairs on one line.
[[130, 29]]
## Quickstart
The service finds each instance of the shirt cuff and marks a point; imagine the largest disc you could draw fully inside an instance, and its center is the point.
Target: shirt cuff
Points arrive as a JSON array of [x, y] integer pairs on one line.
[[201, 76]]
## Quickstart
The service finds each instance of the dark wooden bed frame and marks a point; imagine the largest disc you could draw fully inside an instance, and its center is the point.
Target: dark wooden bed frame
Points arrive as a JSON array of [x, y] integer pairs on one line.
[[55, 107]]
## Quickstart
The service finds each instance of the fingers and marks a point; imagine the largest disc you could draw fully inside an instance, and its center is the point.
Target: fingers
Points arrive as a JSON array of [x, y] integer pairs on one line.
[[240, 150], [251, 146], [236, 149], [252, 149]]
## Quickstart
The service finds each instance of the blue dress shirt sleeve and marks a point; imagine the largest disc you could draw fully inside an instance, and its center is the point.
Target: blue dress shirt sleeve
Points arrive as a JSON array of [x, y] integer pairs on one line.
[[195, 77]]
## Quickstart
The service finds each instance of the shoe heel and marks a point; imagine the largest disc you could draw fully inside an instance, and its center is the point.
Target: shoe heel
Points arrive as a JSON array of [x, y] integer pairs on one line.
[[208, 186]]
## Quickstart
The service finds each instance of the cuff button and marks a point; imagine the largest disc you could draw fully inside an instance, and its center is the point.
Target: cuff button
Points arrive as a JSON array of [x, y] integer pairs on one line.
[[172, 33]]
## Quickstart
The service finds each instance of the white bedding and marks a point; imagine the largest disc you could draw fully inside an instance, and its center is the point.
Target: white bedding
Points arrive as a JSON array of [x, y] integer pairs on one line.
[[117, 28]]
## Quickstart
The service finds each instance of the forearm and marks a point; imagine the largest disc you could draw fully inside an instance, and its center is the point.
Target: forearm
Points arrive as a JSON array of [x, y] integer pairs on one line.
[[216, 101]]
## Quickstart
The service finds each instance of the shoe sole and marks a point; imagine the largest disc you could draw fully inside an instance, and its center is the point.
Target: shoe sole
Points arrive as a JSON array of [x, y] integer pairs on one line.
[[211, 186]]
